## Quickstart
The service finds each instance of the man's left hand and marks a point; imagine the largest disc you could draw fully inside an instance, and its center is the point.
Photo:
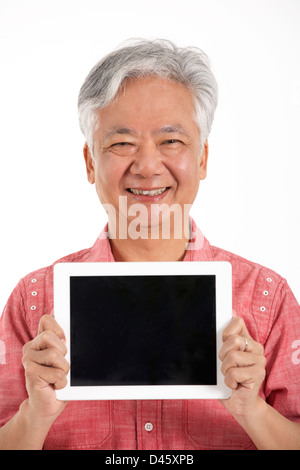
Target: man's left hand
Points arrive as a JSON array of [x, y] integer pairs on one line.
[[243, 367]]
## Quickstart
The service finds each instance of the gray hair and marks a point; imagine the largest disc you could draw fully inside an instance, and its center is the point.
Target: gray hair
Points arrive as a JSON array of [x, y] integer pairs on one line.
[[188, 66]]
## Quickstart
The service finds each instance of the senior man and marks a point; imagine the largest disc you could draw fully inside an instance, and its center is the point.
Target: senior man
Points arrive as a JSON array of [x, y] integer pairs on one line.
[[146, 111]]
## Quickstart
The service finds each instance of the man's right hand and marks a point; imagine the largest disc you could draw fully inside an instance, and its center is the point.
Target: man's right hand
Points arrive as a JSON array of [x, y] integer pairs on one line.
[[46, 369]]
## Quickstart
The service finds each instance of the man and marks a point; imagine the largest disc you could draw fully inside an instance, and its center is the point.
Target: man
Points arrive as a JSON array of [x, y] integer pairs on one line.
[[146, 111]]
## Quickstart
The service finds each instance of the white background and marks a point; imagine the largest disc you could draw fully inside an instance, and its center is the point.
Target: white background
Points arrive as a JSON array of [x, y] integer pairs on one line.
[[249, 204]]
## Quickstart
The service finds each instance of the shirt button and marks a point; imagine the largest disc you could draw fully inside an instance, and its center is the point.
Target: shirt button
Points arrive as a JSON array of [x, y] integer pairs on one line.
[[148, 427], [33, 281], [269, 279]]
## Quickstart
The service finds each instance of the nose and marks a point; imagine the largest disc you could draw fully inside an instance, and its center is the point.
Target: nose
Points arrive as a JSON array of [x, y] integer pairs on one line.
[[148, 161]]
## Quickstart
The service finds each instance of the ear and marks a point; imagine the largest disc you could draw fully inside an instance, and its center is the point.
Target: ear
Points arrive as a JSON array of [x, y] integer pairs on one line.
[[89, 163], [203, 161]]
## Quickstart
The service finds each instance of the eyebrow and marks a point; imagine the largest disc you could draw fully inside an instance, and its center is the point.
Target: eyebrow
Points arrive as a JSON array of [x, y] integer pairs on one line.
[[119, 130], [173, 128]]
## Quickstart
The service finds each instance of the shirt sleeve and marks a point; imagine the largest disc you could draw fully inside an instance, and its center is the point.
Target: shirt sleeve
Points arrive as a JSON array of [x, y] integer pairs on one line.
[[282, 351], [14, 334]]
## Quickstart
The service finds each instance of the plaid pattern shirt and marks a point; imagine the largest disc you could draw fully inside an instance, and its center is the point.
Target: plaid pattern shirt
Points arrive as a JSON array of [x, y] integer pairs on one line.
[[260, 296]]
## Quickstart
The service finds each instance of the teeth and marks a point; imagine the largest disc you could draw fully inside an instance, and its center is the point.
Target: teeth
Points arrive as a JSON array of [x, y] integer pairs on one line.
[[152, 192]]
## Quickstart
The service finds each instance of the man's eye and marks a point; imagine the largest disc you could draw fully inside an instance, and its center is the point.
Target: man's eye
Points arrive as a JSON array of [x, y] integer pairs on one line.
[[122, 144], [123, 148], [171, 147], [172, 143]]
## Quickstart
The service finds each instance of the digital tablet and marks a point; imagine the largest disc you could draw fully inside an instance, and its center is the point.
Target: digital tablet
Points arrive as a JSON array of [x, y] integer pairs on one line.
[[143, 330]]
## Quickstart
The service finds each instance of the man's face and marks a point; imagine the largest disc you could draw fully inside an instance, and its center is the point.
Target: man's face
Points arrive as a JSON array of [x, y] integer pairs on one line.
[[147, 147]]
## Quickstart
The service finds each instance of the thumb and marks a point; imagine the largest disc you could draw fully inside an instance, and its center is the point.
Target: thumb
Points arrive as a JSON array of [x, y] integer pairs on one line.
[[236, 327]]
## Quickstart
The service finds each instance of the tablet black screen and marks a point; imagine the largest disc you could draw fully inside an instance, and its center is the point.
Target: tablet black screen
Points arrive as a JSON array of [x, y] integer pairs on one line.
[[143, 330]]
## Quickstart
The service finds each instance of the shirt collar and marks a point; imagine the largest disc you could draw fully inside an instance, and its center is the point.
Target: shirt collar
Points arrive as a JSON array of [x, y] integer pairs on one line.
[[198, 249]]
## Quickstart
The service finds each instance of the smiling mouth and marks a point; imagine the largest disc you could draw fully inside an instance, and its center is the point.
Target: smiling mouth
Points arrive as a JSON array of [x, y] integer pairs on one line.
[[148, 192]]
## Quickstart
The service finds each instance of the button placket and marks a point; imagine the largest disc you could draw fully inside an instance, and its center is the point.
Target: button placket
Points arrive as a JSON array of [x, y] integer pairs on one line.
[[265, 294], [149, 424], [33, 293]]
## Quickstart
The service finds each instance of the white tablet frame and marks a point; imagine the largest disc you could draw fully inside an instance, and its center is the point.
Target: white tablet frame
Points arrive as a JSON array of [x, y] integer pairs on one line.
[[223, 273]]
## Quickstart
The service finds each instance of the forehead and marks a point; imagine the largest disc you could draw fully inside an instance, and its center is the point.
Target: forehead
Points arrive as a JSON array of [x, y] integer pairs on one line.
[[149, 103]]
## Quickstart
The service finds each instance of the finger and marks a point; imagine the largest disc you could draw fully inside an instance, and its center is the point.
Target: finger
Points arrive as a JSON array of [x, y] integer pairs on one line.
[[236, 343], [236, 327], [51, 357], [241, 359], [240, 343], [48, 322], [38, 375], [46, 339], [248, 377]]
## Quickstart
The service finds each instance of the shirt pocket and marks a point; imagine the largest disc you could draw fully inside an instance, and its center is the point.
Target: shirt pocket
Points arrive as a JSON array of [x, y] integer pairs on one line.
[[208, 425], [82, 425]]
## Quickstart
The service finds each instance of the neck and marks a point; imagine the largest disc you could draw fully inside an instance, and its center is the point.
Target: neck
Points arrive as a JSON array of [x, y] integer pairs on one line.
[[148, 250], [150, 245]]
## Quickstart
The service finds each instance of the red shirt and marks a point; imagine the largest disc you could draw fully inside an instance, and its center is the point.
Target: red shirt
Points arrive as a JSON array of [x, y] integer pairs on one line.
[[260, 296]]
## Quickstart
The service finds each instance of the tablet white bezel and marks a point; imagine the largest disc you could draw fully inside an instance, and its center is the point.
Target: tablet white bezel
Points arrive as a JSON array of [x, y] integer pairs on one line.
[[223, 273]]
